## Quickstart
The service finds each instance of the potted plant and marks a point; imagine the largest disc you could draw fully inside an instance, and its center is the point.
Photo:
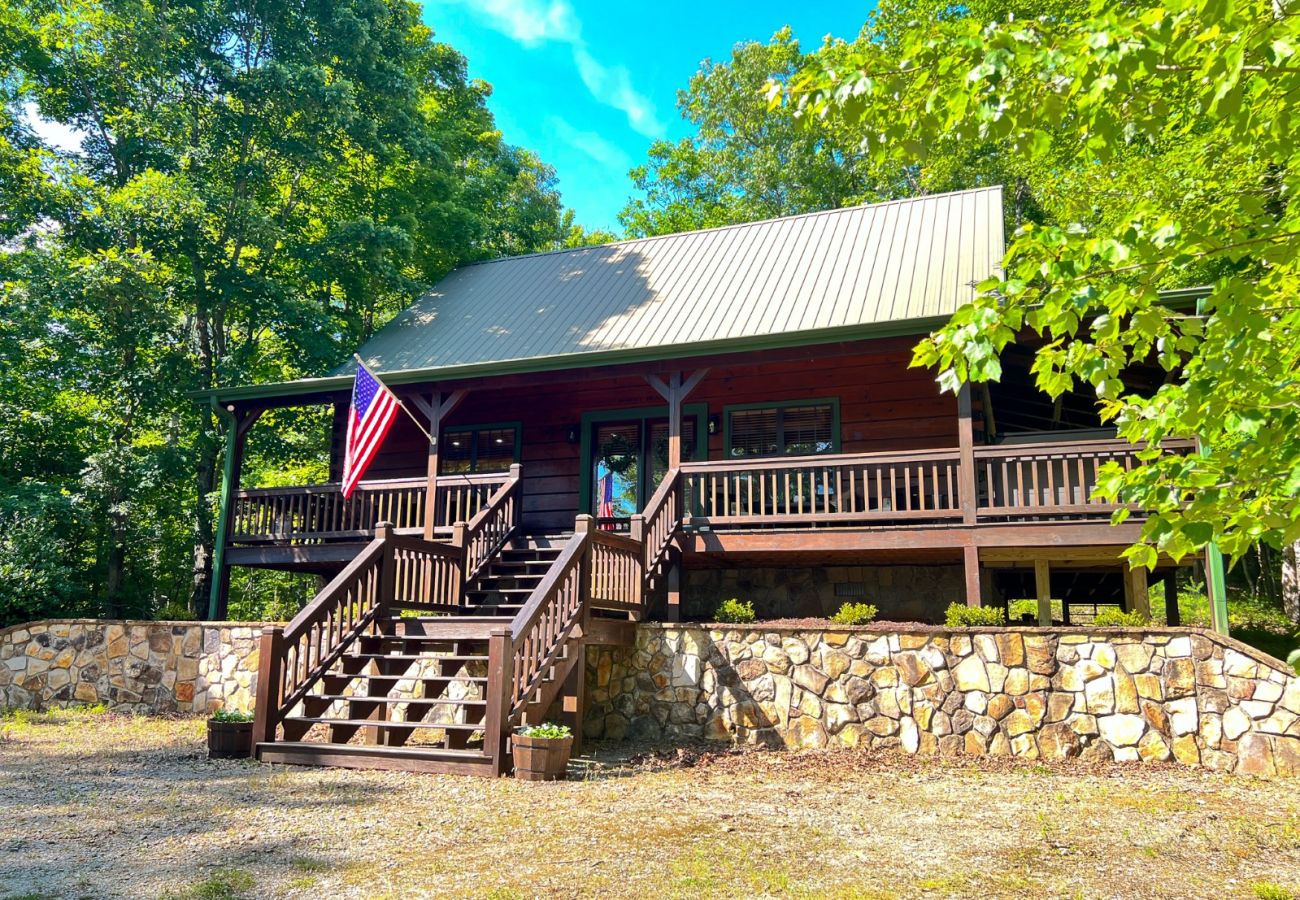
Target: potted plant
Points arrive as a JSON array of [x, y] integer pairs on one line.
[[230, 734], [541, 752]]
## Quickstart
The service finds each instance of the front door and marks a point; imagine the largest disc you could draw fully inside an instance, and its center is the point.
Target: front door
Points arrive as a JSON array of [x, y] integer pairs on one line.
[[627, 459]]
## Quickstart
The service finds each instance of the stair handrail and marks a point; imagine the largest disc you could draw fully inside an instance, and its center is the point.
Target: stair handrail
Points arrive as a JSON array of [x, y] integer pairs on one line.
[[292, 658], [657, 525], [482, 537], [544, 624]]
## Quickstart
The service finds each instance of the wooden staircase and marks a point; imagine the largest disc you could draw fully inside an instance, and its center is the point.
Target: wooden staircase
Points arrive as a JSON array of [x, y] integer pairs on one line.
[[424, 656], [514, 573]]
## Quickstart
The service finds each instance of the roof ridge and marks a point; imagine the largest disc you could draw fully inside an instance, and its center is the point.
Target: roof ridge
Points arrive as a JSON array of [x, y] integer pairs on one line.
[[735, 225]]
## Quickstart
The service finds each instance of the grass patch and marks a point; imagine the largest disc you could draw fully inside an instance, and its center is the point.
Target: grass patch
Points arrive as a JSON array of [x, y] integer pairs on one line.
[[225, 884], [1267, 890]]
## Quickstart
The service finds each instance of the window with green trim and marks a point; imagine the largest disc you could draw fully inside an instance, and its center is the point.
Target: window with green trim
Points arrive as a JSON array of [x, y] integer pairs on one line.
[[789, 429], [481, 448]]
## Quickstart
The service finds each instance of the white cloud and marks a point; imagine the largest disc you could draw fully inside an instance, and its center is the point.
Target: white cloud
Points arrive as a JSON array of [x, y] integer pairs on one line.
[[594, 145], [528, 21], [53, 134], [536, 22]]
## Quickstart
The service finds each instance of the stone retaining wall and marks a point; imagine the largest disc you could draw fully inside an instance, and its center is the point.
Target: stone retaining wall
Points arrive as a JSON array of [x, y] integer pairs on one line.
[[900, 593], [1155, 694], [146, 667]]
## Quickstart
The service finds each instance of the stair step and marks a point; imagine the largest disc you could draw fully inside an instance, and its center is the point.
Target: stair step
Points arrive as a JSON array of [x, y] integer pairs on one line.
[[512, 591], [416, 657], [391, 700], [385, 723], [368, 756]]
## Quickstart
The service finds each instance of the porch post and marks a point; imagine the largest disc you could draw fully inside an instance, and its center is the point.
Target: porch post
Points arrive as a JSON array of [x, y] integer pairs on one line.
[[675, 421], [1173, 616], [437, 408], [966, 448], [1136, 598], [971, 560], [674, 392], [237, 425], [1043, 588], [434, 412]]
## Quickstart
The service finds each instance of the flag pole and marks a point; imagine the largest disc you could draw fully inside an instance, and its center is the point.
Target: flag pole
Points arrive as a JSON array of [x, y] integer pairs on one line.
[[423, 430]]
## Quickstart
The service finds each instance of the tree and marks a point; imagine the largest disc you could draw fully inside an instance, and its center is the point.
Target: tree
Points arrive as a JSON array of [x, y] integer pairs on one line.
[[747, 162], [259, 188], [1170, 133]]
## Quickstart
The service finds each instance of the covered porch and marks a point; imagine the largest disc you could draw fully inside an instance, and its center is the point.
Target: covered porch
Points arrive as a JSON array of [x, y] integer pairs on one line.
[[863, 463]]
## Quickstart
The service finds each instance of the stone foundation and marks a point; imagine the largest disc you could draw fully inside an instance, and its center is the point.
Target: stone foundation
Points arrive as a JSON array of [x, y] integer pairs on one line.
[[144, 667], [901, 593], [1106, 694]]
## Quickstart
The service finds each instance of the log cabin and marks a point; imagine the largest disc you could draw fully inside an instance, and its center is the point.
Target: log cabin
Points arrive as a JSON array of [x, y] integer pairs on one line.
[[641, 430]]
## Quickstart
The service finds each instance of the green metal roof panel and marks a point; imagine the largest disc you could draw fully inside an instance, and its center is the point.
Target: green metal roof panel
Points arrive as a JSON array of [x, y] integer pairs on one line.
[[907, 260]]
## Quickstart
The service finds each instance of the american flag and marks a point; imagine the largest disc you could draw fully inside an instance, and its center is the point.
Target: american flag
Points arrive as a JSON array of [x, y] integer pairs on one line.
[[373, 409]]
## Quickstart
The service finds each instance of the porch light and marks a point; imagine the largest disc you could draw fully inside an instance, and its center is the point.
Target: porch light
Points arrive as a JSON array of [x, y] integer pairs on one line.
[[715, 422], [571, 434]]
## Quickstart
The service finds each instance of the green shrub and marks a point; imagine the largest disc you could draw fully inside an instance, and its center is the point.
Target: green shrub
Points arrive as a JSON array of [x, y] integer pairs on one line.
[[545, 730], [735, 612], [959, 615], [231, 715], [854, 614], [1114, 617]]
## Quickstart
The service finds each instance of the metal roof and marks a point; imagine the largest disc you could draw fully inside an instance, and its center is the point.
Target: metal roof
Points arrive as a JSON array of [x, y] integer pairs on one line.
[[885, 268], [845, 268]]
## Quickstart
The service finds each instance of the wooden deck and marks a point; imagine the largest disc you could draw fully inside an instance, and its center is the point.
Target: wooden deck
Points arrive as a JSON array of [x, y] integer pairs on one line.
[[999, 496]]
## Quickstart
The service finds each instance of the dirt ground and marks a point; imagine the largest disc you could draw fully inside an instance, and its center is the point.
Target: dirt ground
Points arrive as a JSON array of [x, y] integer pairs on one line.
[[99, 805]]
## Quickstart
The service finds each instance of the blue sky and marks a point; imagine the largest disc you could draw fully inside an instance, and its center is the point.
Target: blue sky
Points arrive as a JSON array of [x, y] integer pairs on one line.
[[589, 85]]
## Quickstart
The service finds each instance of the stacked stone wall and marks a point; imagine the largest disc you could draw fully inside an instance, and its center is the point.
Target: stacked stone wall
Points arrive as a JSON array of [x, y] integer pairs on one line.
[[1105, 694], [145, 667], [900, 593]]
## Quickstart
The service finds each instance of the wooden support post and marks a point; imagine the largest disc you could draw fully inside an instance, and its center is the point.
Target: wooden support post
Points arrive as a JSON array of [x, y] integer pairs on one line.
[[437, 408], [674, 392], [267, 702], [498, 692], [966, 480], [573, 700], [673, 609], [1173, 616], [971, 559], [1043, 590], [1136, 596], [238, 424]]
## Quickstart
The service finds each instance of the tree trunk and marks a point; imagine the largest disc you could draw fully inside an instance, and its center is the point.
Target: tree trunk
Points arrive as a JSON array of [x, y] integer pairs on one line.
[[1291, 581]]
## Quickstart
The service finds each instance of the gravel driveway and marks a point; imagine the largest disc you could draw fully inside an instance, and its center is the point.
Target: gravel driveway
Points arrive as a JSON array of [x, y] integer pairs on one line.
[[115, 806]]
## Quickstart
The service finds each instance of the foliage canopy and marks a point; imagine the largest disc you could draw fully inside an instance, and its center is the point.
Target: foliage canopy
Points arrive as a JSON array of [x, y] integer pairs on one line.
[[1162, 141]]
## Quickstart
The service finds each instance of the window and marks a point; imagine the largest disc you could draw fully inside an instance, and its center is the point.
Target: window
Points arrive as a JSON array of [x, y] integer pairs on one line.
[[481, 448], [790, 429]]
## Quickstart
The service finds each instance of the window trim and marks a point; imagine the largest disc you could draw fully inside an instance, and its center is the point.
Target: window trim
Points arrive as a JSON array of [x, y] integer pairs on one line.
[[474, 429], [779, 406]]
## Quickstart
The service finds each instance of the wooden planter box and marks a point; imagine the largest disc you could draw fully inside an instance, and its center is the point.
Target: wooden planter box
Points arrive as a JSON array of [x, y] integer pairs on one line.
[[540, 759], [230, 740]]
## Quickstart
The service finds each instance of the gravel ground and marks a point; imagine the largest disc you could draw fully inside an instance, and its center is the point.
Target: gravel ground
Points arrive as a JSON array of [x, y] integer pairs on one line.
[[115, 806]]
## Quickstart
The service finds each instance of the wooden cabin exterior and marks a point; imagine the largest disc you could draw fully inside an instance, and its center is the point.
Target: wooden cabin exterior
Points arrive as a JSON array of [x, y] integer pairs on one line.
[[642, 430]]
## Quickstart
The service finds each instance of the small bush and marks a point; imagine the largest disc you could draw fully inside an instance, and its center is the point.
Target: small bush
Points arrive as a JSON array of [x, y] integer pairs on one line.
[[231, 715], [1115, 617], [854, 614], [735, 612], [959, 615], [545, 730]]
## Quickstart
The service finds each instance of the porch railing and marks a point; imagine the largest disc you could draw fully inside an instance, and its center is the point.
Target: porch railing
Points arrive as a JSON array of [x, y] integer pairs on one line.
[[824, 489], [1044, 480], [315, 513], [1011, 482]]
